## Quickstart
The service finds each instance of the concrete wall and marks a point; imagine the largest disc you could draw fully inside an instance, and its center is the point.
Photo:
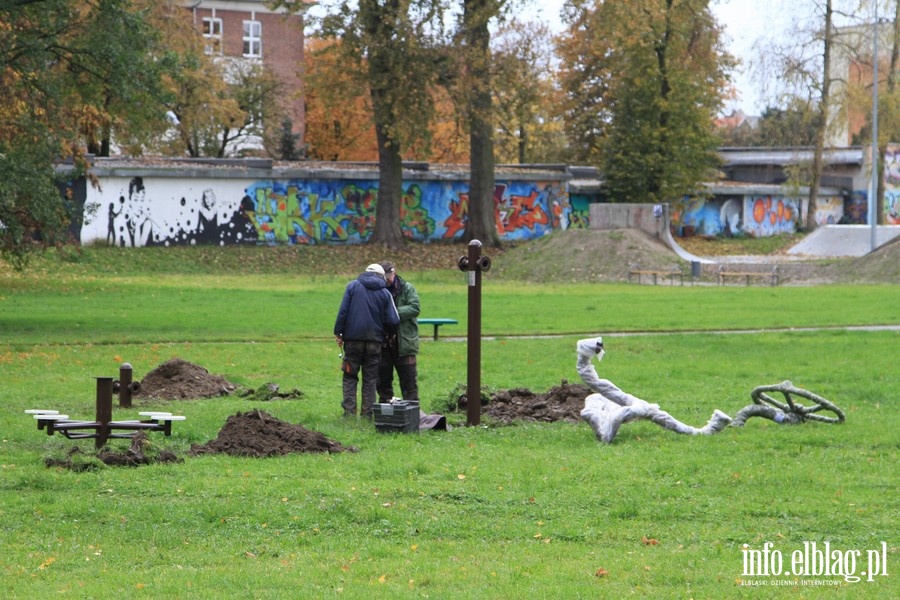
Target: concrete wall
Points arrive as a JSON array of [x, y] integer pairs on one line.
[[752, 214], [648, 217], [141, 205]]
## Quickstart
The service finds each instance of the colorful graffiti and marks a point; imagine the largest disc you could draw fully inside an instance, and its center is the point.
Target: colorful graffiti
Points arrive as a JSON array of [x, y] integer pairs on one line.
[[313, 212], [579, 217], [771, 215], [829, 211], [892, 185], [750, 215], [856, 209]]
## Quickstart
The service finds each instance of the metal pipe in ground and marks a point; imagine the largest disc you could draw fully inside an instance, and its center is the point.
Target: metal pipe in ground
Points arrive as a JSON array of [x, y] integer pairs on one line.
[[104, 409], [125, 385], [473, 380], [474, 264]]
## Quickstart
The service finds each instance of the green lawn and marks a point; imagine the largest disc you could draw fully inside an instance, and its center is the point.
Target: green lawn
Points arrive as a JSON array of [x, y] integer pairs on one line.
[[532, 510]]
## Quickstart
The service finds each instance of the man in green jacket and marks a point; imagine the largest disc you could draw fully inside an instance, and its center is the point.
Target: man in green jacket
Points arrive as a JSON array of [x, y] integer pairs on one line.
[[400, 349]]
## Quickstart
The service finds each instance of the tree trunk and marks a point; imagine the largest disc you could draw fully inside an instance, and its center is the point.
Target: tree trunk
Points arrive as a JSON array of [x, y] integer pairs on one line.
[[378, 21], [480, 224], [822, 125], [390, 183]]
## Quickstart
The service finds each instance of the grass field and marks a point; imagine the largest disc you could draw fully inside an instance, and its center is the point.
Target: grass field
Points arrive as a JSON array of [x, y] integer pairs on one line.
[[532, 510]]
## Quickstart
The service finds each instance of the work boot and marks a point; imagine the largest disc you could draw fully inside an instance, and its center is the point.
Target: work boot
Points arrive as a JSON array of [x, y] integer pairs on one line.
[[717, 423]]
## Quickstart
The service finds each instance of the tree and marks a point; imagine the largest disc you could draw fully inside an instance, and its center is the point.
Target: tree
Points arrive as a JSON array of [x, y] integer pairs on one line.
[[586, 79], [528, 128], [338, 107], [888, 103], [793, 125], [652, 72], [821, 119], [287, 141], [480, 224], [391, 45], [60, 86], [804, 64]]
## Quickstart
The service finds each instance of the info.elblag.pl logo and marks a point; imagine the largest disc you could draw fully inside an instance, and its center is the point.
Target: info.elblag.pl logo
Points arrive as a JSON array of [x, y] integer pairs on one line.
[[814, 560]]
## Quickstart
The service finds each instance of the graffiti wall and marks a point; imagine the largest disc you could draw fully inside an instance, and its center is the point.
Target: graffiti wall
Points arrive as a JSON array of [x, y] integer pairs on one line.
[[758, 216], [856, 209], [146, 211], [892, 185], [830, 211]]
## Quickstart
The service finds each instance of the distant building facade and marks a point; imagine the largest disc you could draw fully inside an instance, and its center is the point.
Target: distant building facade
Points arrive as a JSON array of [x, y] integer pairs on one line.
[[248, 30]]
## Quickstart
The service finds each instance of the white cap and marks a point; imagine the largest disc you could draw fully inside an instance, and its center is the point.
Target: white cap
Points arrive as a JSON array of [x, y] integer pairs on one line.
[[375, 268]]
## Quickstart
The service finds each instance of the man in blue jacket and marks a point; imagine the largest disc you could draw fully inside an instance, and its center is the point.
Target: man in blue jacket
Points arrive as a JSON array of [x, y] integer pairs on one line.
[[367, 311]]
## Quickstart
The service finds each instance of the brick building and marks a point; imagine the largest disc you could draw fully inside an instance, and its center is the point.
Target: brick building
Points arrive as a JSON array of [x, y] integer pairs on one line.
[[248, 30]]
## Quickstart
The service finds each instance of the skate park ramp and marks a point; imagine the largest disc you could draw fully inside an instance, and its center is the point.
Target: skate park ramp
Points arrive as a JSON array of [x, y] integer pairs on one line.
[[836, 241]]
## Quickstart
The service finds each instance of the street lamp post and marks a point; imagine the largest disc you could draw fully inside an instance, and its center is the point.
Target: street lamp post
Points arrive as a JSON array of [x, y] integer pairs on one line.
[[873, 197]]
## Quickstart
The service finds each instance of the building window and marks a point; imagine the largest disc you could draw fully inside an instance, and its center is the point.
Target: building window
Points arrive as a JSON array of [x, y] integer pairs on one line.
[[212, 34], [252, 38]]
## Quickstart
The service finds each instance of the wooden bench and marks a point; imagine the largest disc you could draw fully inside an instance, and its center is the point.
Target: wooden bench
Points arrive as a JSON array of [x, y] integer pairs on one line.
[[772, 276], [437, 323], [674, 273]]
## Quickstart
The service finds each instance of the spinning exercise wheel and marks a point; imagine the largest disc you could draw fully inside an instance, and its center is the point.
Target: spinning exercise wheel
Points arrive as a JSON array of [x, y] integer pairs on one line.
[[788, 412]]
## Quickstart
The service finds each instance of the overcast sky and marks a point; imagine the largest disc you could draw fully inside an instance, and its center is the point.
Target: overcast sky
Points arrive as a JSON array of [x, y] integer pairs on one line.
[[745, 21]]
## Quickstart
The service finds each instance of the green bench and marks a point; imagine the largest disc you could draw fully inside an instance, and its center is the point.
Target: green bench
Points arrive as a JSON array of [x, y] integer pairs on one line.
[[437, 323]]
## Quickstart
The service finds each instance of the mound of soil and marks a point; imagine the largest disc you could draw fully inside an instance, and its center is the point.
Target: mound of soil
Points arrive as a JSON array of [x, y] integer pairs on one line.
[[180, 379], [583, 255], [257, 434], [561, 403], [133, 456], [590, 255]]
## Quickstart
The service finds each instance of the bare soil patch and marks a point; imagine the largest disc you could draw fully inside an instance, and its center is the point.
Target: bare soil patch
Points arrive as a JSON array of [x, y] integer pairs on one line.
[[560, 403], [140, 452], [178, 379], [257, 434]]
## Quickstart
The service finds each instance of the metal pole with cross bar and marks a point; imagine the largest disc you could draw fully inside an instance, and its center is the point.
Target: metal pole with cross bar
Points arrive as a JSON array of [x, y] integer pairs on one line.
[[474, 265]]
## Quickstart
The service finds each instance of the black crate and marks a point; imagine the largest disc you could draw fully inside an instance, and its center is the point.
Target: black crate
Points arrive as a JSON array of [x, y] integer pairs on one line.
[[397, 417]]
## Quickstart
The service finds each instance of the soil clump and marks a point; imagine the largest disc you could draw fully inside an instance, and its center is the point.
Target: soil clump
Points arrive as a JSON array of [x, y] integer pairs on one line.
[[178, 379], [257, 434], [561, 403], [139, 453]]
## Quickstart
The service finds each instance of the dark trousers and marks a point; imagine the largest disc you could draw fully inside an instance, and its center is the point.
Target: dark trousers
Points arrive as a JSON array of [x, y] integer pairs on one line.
[[365, 356], [406, 373]]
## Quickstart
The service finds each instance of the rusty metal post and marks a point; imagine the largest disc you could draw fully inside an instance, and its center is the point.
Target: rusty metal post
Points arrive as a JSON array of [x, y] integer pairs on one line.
[[125, 385], [474, 264], [104, 409], [473, 380]]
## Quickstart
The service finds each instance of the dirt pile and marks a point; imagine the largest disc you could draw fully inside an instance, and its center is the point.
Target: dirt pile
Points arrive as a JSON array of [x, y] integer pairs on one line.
[[178, 379], [257, 434], [561, 403], [598, 256], [582, 255], [140, 452]]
